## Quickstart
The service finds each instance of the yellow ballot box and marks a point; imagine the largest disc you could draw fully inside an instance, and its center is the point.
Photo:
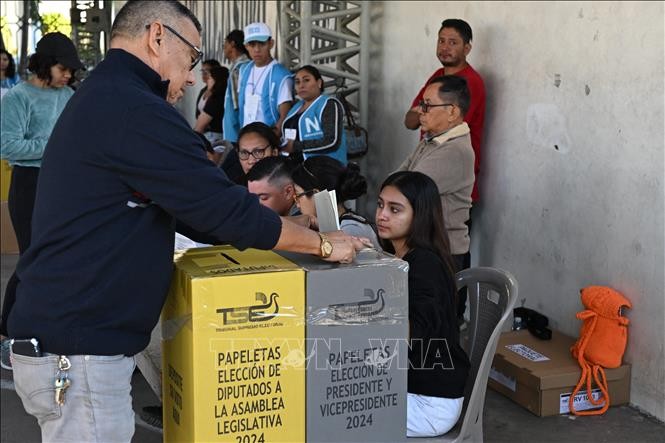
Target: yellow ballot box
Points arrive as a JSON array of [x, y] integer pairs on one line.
[[233, 333]]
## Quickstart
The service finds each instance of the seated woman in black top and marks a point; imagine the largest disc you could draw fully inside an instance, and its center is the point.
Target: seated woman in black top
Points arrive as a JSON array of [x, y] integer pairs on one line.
[[410, 222]]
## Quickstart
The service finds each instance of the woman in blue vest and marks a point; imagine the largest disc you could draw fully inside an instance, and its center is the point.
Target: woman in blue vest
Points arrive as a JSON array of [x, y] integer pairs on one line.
[[315, 124]]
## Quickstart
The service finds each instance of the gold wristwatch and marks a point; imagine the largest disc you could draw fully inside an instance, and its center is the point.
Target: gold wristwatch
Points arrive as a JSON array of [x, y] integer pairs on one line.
[[326, 246]]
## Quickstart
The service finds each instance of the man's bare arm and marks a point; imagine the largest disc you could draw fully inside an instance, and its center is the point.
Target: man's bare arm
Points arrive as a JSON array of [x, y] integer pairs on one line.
[[283, 110]]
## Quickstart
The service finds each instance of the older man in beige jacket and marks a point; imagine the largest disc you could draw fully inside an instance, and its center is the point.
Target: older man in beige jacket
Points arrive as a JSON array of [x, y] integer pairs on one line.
[[445, 154]]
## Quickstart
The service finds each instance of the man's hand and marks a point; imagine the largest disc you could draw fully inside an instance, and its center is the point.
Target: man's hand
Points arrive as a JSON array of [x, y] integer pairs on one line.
[[412, 118], [345, 246], [296, 238]]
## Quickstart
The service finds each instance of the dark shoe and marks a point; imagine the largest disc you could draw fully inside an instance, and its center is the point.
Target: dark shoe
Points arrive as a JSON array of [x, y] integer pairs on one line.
[[152, 415]]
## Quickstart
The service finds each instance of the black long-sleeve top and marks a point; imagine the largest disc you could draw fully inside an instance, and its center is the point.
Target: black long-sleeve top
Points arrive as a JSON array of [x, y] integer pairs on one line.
[[120, 166], [438, 364]]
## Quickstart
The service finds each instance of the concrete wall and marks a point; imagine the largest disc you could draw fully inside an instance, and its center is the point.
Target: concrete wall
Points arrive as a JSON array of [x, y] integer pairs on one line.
[[588, 78]]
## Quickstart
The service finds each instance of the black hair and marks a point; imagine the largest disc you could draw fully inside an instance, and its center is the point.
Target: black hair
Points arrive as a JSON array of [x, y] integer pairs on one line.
[[40, 65], [428, 229], [323, 172], [10, 72], [263, 130], [276, 169], [237, 39], [454, 89], [221, 76], [133, 17], [212, 63], [459, 25], [314, 71]]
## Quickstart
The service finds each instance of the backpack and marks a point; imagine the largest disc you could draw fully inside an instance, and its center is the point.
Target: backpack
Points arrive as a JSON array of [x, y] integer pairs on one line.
[[357, 143], [602, 342]]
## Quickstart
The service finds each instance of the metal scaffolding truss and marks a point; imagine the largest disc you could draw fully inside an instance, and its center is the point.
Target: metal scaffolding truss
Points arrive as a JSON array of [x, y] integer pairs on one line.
[[218, 18], [91, 29], [333, 35]]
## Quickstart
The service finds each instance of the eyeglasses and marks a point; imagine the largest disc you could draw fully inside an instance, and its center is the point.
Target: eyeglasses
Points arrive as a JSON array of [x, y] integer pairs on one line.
[[257, 153], [309, 193], [425, 107], [199, 54]]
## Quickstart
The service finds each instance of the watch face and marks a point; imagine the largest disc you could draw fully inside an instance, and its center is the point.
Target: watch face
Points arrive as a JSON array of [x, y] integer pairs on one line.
[[327, 248]]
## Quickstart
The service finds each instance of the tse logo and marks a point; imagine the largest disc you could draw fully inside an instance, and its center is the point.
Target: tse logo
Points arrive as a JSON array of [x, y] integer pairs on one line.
[[263, 311]]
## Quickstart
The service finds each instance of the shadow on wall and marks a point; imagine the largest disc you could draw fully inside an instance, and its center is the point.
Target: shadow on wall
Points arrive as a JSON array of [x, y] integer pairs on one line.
[[482, 252]]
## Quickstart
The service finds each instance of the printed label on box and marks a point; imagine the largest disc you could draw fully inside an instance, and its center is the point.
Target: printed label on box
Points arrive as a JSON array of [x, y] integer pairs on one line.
[[581, 401], [503, 379], [527, 352]]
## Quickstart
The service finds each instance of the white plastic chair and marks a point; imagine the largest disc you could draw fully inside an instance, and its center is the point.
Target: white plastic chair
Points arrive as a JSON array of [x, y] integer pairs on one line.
[[492, 294]]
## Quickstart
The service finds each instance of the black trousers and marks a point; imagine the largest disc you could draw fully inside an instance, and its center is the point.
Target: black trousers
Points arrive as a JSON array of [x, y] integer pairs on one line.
[[462, 261], [22, 192]]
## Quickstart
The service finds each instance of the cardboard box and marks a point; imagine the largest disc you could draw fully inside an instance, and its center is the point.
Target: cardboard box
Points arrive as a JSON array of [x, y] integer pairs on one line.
[[357, 359], [541, 374], [8, 245], [233, 329]]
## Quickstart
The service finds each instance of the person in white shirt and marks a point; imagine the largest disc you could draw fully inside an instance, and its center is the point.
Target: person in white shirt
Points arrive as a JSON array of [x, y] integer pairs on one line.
[[265, 86]]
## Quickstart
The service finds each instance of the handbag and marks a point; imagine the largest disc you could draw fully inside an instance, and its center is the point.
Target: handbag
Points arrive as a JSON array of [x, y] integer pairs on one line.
[[356, 136], [602, 342]]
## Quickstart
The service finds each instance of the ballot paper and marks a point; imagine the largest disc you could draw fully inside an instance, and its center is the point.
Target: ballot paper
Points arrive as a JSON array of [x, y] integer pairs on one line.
[[182, 242], [326, 211]]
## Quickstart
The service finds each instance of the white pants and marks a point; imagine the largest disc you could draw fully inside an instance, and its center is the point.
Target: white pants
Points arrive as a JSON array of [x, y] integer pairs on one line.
[[431, 416]]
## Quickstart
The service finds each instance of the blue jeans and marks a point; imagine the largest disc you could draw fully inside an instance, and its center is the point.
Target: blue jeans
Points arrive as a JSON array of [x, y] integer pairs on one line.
[[98, 404]]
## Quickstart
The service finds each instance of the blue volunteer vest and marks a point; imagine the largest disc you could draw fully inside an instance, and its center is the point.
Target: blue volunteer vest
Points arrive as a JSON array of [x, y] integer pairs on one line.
[[231, 120], [269, 92], [310, 127]]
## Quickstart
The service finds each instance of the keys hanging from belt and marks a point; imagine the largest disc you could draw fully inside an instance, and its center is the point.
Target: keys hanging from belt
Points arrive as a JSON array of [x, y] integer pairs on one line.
[[62, 381]]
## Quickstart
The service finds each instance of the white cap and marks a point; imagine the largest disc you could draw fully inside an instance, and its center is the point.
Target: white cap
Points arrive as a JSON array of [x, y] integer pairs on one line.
[[257, 32]]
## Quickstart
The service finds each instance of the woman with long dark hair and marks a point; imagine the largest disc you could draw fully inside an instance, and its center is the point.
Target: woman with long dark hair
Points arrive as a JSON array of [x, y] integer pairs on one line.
[[409, 219], [209, 120], [29, 112]]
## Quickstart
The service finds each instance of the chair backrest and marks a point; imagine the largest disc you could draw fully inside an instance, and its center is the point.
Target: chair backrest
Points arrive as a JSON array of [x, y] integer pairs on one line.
[[492, 294]]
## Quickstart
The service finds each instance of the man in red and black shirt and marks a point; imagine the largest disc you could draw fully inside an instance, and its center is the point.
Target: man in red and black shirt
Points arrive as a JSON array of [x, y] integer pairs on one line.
[[453, 46]]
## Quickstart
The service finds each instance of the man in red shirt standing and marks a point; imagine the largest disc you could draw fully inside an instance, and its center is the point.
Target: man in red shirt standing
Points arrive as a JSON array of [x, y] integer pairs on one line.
[[452, 48]]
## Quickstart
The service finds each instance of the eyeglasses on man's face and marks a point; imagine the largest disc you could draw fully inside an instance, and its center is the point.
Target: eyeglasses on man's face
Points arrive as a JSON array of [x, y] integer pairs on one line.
[[308, 193], [425, 107], [257, 153], [195, 58]]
